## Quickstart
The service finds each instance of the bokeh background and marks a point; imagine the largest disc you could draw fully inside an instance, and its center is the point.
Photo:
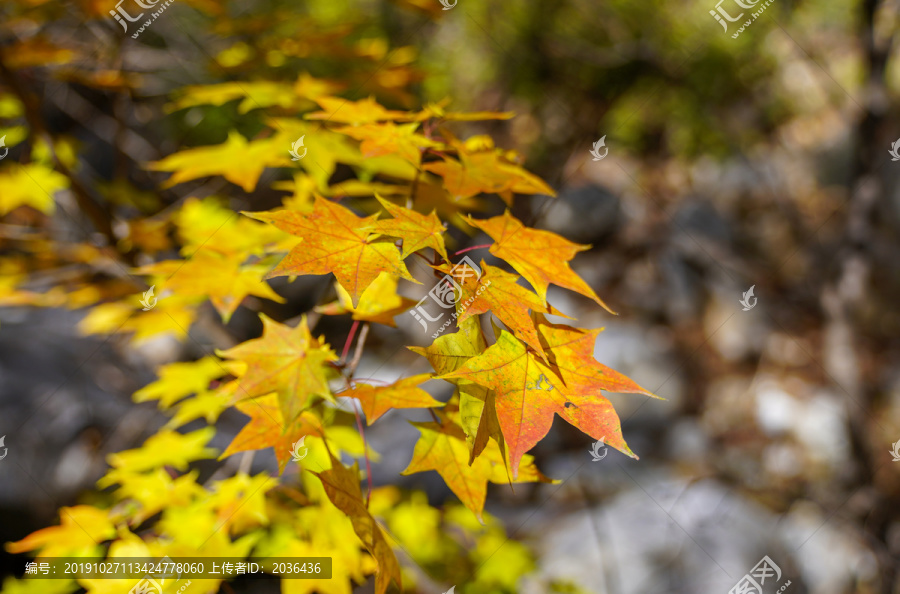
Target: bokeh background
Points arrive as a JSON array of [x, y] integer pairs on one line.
[[759, 161]]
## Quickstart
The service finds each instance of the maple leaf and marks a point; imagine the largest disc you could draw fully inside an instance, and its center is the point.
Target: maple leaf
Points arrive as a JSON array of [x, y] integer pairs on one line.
[[178, 380], [447, 354], [525, 405], [236, 160], [497, 291], [403, 393], [341, 484], [344, 111], [379, 303], [442, 447], [572, 353], [81, 529], [157, 490], [285, 360], [542, 257], [267, 429], [483, 169], [416, 230], [165, 448], [32, 185], [389, 138], [225, 279], [335, 240]]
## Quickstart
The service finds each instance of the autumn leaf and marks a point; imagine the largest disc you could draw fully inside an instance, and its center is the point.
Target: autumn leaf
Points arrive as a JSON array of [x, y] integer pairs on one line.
[[30, 185], [497, 291], [81, 529], [224, 279], [404, 393], [442, 447], [165, 448], [178, 380], [285, 360], [529, 393], [380, 302], [335, 240], [542, 257], [344, 111], [236, 160], [388, 139], [447, 354], [342, 487], [572, 354], [267, 429], [483, 169], [416, 230]]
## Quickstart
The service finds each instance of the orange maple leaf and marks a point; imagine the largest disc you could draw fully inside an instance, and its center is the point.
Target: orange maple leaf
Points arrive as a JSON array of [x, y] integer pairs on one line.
[[542, 257], [416, 230], [529, 392], [285, 360], [442, 447], [335, 240], [403, 393], [496, 291], [267, 429]]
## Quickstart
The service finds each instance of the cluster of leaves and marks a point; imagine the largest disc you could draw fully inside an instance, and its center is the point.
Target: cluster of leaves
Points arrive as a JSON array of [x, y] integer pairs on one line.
[[393, 166]]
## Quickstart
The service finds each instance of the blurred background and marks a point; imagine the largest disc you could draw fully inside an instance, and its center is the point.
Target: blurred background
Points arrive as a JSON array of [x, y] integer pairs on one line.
[[759, 161]]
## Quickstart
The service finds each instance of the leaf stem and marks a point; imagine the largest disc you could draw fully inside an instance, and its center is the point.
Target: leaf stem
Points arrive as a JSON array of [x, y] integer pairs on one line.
[[349, 340], [474, 247], [366, 454], [360, 344], [351, 369]]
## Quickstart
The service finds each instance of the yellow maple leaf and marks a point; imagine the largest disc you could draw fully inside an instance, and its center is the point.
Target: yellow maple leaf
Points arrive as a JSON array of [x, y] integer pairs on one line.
[[344, 111], [30, 185], [82, 529], [166, 448], [236, 160], [177, 380], [285, 360], [380, 302], [222, 278]]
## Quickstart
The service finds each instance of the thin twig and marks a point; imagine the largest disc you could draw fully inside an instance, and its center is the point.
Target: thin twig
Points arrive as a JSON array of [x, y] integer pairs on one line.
[[349, 341], [474, 247], [360, 344], [246, 462], [362, 434], [351, 369]]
